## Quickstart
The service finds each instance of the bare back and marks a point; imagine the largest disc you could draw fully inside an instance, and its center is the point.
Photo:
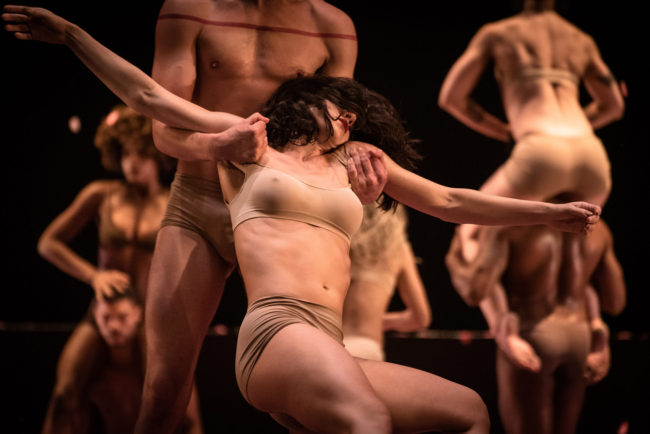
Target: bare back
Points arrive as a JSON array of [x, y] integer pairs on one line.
[[549, 272], [238, 53], [539, 59]]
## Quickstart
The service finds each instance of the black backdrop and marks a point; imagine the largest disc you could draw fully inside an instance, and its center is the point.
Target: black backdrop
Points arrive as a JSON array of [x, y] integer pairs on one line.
[[405, 50]]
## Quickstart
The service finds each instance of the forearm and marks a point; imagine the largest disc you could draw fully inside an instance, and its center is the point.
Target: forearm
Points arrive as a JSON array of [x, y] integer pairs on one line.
[[66, 260], [471, 206], [136, 88], [475, 117], [190, 145], [496, 312], [600, 115], [404, 321]]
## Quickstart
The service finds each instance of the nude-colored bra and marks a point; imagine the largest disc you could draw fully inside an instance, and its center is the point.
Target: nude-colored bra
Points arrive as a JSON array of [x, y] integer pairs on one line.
[[272, 193], [553, 75], [112, 236]]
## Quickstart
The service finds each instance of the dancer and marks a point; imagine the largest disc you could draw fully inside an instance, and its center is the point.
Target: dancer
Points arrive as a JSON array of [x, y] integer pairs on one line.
[[111, 399], [128, 214], [540, 60], [381, 260], [534, 291], [228, 56], [293, 214]]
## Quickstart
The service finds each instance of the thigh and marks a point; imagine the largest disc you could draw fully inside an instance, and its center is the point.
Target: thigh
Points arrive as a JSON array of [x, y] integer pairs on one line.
[[569, 395], [420, 401], [186, 282], [305, 376], [82, 355], [525, 398]]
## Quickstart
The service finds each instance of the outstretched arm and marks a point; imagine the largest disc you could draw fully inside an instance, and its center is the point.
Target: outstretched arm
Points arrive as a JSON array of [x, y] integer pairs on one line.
[[458, 205], [417, 315], [607, 105], [129, 83], [456, 90]]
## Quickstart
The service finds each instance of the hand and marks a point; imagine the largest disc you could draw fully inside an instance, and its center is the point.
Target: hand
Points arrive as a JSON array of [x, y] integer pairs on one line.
[[366, 170], [597, 365], [107, 282], [246, 141], [520, 352], [599, 358], [577, 217], [38, 24]]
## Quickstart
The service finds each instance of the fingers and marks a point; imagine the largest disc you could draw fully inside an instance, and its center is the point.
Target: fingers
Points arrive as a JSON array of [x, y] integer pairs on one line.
[[15, 18], [15, 9], [257, 117], [22, 28]]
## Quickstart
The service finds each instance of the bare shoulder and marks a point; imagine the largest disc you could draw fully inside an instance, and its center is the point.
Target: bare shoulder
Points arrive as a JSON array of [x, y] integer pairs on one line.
[[97, 191], [331, 19]]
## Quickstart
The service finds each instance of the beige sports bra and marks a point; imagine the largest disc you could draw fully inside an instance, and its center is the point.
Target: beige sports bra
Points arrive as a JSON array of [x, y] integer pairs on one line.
[[272, 193]]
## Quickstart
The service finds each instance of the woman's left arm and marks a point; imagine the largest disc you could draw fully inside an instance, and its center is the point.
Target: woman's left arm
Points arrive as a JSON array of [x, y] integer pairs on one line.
[[460, 205], [130, 84]]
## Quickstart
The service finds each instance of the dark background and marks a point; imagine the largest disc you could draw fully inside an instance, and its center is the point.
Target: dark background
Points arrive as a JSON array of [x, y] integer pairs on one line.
[[405, 51]]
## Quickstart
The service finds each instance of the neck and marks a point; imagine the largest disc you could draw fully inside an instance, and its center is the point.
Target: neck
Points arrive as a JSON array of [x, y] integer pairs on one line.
[[142, 191], [538, 5]]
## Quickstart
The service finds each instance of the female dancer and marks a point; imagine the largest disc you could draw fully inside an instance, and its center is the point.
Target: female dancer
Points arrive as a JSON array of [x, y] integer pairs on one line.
[[128, 213], [293, 214], [381, 260], [539, 59]]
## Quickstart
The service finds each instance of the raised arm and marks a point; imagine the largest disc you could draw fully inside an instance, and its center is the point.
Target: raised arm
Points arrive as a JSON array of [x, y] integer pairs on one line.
[[129, 83], [456, 90], [53, 243], [417, 315], [458, 205], [607, 105]]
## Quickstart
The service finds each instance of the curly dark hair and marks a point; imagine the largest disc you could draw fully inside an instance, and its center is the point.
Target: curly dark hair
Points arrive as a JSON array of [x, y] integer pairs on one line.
[[122, 126], [291, 119]]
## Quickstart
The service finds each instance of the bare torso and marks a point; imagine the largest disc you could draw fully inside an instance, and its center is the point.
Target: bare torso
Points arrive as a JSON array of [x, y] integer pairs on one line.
[[245, 51], [293, 258], [539, 279], [128, 224], [115, 392], [527, 44]]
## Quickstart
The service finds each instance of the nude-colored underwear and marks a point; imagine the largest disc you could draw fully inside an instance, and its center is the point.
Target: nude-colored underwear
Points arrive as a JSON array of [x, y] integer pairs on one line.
[[267, 316], [560, 342], [364, 347], [543, 166], [197, 204]]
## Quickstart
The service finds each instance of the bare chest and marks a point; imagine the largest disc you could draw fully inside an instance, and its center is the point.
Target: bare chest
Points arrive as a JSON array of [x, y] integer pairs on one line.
[[240, 52]]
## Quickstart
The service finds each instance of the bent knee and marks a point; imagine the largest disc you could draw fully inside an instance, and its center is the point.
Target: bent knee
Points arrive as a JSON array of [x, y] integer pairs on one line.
[[478, 412]]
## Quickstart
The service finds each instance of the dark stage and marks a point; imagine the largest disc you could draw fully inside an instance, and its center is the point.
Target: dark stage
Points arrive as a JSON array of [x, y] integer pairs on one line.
[[405, 51]]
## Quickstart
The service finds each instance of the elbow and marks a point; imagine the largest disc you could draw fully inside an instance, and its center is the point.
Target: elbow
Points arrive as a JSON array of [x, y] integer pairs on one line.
[[424, 319], [615, 307], [44, 247], [445, 100]]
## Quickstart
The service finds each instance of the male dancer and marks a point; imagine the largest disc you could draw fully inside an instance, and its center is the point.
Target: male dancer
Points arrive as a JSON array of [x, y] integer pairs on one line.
[[227, 56], [534, 289]]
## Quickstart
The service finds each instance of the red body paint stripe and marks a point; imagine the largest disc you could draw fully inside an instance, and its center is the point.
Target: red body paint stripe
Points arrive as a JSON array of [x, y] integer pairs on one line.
[[257, 27]]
